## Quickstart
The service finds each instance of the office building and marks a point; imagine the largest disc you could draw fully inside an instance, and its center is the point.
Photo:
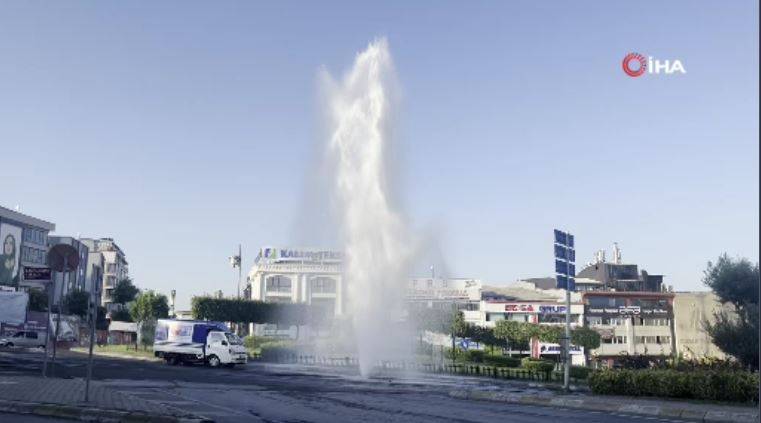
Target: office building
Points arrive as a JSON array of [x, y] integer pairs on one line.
[[24, 244], [115, 267]]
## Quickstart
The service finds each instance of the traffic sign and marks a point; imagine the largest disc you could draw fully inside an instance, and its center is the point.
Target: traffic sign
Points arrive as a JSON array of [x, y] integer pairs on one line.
[[565, 258]]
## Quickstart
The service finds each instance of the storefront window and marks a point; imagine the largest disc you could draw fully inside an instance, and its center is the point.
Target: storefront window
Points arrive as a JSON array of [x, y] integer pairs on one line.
[[278, 284]]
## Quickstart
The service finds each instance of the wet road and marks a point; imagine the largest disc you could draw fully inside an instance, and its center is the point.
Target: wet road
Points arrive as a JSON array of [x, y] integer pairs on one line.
[[284, 393]]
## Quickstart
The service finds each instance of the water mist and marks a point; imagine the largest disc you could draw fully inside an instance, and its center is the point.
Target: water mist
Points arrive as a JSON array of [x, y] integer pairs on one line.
[[373, 233]]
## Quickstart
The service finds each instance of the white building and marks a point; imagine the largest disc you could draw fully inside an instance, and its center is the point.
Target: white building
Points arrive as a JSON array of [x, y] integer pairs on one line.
[[114, 267], [297, 275]]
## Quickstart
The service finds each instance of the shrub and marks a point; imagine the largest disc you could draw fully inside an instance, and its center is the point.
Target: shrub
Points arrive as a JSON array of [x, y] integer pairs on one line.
[[537, 365], [476, 356], [715, 385], [578, 372], [502, 361]]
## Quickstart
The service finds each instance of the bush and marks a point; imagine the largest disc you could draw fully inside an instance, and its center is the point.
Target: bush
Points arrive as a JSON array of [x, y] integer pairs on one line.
[[502, 361], [476, 356], [578, 372], [715, 385], [537, 365], [278, 354]]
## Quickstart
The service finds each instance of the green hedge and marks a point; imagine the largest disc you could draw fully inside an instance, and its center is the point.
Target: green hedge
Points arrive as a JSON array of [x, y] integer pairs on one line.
[[578, 372], [716, 385], [502, 361], [537, 365]]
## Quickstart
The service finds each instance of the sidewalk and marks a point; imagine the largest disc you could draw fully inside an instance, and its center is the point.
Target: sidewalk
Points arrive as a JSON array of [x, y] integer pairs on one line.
[[83, 350], [64, 398], [651, 407]]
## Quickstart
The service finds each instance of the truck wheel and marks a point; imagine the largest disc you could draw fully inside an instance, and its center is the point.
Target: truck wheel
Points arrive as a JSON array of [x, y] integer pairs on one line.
[[173, 360], [214, 361], [10, 344]]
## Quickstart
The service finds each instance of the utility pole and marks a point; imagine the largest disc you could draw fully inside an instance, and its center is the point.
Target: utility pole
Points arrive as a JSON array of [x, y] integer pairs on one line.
[[235, 261], [565, 256], [240, 267], [94, 303]]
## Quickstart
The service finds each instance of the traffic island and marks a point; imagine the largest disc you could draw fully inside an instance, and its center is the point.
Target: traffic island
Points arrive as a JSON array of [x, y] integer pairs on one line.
[[702, 412]]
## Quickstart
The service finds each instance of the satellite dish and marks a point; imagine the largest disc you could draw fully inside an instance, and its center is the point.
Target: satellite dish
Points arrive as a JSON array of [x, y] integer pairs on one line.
[[63, 254]]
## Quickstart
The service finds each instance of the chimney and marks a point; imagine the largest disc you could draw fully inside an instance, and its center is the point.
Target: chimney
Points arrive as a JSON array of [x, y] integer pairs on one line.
[[616, 253]]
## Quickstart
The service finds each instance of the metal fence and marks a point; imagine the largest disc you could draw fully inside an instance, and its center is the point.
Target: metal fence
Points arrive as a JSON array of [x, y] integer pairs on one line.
[[442, 368]]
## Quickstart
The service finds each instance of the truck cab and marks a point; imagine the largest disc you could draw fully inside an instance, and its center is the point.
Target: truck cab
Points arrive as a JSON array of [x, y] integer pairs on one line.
[[225, 348]]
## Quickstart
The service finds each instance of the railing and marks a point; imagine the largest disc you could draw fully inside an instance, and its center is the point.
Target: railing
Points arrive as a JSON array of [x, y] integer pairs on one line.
[[441, 368]]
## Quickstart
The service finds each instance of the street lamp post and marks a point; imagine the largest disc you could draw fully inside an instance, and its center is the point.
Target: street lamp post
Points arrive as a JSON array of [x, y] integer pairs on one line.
[[235, 261]]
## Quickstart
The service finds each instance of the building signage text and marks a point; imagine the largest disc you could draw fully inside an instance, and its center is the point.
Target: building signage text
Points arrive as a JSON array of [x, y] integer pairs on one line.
[[534, 308], [36, 273], [627, 311]]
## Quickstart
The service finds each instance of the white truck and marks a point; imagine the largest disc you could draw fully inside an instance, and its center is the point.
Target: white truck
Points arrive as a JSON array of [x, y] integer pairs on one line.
[[193, 341]]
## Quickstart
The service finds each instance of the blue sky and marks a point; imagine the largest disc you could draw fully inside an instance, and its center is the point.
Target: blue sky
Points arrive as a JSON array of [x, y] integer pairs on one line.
[[184, 128]]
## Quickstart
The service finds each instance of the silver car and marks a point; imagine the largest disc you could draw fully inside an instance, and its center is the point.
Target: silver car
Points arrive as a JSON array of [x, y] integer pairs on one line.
[[26, 339]]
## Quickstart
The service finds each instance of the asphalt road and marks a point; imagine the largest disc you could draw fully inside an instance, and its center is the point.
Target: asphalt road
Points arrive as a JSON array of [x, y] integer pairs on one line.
[[282, 393], [27, 418]]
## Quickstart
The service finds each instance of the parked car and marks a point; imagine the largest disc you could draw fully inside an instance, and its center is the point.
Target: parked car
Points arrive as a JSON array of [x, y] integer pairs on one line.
[[25, 338]]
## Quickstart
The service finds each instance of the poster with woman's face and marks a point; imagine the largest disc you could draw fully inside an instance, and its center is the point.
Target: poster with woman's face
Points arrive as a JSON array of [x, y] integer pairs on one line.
[[10, 253]]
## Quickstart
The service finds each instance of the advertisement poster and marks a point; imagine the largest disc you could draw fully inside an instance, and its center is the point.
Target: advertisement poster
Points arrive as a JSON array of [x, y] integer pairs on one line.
[[10, 254], [13, 307]]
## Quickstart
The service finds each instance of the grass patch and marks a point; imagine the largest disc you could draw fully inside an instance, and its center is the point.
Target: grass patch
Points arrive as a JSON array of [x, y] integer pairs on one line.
[[121, 350]]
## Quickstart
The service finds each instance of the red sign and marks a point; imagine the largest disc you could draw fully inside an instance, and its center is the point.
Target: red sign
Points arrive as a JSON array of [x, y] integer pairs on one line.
[[517, 308]]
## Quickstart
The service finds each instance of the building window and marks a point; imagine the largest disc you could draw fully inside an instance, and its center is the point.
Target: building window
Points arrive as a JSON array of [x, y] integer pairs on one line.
[[35, 236], [323, 285], [653, 339], [32, 255], [278, 284], [111, 268]]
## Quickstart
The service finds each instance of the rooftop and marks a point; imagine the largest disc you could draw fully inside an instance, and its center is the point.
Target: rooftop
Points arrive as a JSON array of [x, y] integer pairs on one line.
[[6, 213]]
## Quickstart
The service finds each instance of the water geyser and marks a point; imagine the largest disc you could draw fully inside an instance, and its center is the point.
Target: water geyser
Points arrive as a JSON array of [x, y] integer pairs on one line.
[[376, 242]]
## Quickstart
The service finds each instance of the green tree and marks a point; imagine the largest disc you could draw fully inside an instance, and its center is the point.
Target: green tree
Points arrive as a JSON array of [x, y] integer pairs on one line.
[[147, 307], [38, 300], [587, 338], [550, 334], [460, 327], [484, 336], [735, 282], [124, 291], [515, 334], [121, 315], [77, 303]]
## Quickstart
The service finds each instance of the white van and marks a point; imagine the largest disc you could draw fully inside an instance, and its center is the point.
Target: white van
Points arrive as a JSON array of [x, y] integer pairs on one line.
[[26, 339]]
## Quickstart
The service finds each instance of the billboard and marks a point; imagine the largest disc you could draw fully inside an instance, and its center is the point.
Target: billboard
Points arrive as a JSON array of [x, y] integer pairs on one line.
[[13, 307], [10, 254]]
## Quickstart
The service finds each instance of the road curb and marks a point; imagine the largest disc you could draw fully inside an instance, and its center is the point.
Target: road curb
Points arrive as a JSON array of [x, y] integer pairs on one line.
[[90, 414], [595, 404]]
